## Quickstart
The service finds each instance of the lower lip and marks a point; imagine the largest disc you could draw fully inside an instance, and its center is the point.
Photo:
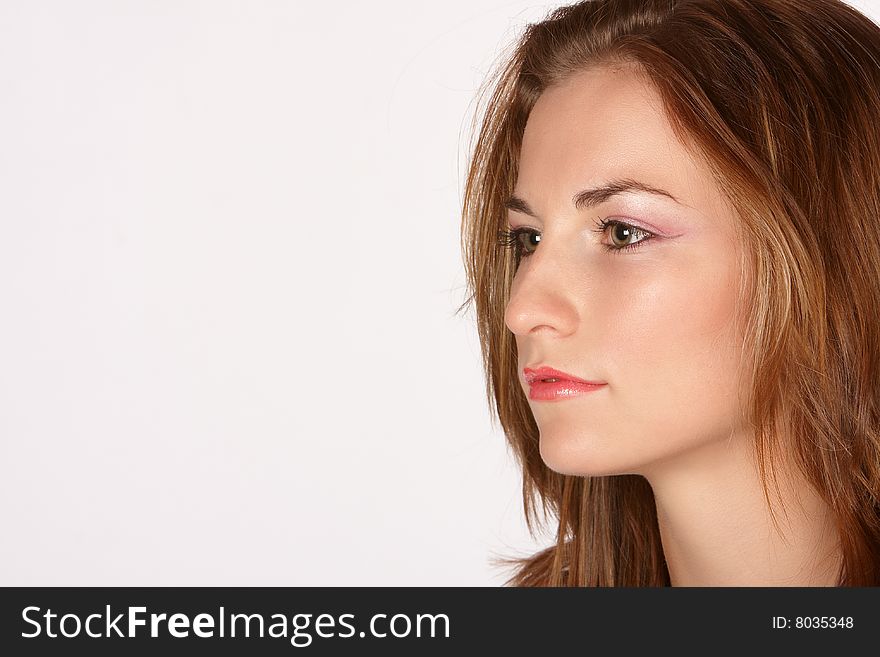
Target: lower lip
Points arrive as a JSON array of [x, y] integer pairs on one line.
[[555, 390]]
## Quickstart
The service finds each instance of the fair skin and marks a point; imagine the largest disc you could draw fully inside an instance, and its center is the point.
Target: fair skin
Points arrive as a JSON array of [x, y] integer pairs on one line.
[[657, 324]]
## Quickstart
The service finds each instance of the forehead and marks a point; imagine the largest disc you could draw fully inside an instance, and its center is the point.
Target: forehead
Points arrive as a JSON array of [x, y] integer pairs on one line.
[[604, 123]]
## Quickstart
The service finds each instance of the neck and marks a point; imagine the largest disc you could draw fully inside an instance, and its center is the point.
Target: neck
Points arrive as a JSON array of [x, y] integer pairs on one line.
[[716, 526]]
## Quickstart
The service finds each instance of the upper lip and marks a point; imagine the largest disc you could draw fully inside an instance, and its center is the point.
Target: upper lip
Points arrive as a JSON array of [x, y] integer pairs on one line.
[[544, 372]]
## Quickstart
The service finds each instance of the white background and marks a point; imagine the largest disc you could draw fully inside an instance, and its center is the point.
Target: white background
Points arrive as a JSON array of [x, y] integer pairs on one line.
[[229, 270]]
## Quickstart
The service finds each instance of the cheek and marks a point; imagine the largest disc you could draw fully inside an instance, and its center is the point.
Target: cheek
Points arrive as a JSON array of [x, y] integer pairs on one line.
[[676, 351]]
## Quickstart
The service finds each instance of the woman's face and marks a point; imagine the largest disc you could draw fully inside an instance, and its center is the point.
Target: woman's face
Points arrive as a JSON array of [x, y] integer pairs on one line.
[[655, 322]]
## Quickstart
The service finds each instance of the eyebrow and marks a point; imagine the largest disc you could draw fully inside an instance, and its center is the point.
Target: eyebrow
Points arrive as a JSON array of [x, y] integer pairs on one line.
[[595, 195]]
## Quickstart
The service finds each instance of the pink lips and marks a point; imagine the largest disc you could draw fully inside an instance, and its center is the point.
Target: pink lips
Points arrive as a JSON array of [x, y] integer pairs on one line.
[[565, 385]]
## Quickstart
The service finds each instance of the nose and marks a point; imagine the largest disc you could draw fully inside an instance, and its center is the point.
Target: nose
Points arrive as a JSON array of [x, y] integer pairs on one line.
[[540, 299]]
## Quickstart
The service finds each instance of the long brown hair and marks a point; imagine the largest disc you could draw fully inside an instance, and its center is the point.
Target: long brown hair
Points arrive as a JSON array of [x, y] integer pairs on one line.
[[782, 99]]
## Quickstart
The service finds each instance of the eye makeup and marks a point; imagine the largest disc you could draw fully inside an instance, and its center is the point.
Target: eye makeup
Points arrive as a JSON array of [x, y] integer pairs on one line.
[[513, 238]]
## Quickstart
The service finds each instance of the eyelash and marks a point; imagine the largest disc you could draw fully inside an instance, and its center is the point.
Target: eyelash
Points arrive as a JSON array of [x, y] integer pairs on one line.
[[510, 239]]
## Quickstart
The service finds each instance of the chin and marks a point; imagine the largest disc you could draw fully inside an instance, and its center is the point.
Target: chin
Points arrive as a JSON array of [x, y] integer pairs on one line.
[[582, 457]]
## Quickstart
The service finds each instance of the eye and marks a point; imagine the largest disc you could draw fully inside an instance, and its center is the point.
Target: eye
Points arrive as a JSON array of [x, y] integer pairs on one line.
[[520, 241], [621, 233]]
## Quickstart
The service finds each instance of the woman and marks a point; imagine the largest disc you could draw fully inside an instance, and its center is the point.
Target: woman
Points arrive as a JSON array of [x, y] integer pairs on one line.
[[671, 229]]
